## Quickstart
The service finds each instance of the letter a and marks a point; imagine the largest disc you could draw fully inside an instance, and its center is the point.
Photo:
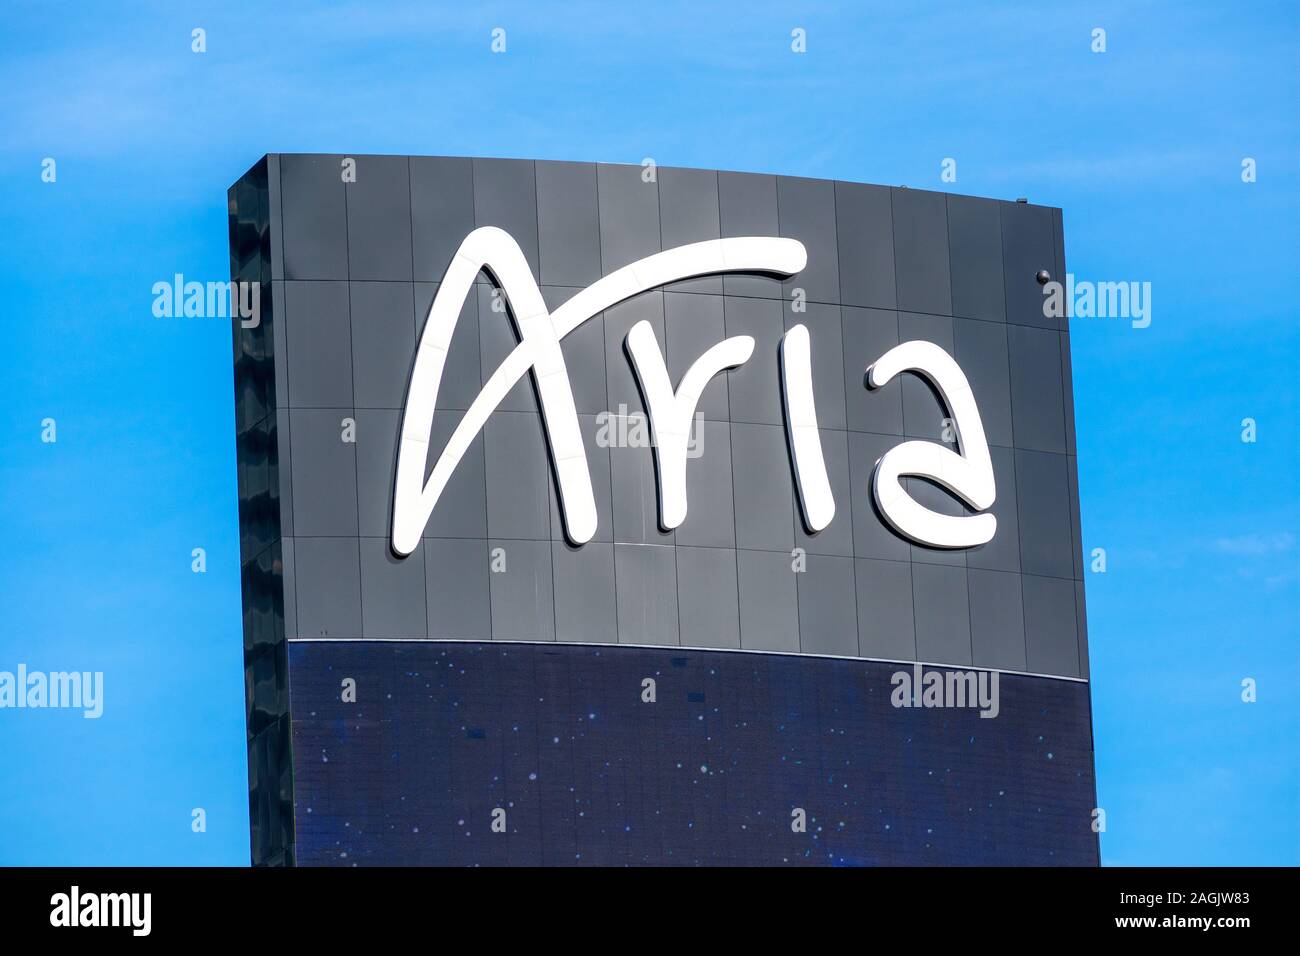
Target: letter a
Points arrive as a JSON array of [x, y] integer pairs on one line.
[[968, 474]]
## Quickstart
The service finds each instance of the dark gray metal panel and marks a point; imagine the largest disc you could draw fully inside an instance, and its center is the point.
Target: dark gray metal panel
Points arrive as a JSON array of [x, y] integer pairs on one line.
[[518, 476], [942, 604], [828, 607], [383, 342], [376, 452], [1035, 365], [975, 252], [1081, 618], [997, 620], [523, 602], [755, 388], [1076, 532], [1067, 392], [806, 211], [769, 608], [864, 225], [869, 334], [275, 217], [328, 585], [708, 597], [1058, 242], [568, 223], [456, 588], [647, 594], [629, 215], [318, 343], [886, 617], [1046, 545], [1027, 248], [392, 592], [505, 195], [314, 217], [747, 207], [379, 219], [1051, 637], [325, 473], [442, 212], [585, 608], [921, 251], [763, 492], [688, 212]]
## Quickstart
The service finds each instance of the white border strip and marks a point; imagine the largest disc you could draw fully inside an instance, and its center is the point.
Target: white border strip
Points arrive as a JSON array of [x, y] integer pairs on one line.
[[669, 647]]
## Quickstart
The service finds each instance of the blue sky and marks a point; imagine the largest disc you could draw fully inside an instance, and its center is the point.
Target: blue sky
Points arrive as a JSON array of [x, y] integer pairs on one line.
[[1142, 147]]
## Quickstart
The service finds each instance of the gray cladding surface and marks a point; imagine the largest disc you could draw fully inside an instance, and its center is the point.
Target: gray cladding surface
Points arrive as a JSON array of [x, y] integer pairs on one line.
[[349, 270]]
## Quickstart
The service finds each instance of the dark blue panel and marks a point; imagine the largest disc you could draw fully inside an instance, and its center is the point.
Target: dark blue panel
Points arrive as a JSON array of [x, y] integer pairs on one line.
[[559, 737]]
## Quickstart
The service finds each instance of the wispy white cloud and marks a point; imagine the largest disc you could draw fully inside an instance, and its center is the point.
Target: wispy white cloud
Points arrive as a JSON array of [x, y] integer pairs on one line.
[[1256, 544]]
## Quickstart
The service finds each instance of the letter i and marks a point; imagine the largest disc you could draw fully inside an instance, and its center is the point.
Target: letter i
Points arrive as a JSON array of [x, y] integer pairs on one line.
[[815, 498]]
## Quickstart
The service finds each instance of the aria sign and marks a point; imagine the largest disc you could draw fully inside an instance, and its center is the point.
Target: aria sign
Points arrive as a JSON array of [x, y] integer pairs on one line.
[[967, 473]]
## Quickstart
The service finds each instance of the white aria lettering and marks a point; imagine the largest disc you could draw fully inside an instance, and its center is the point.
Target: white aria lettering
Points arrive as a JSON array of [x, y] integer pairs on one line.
[[670, 409]]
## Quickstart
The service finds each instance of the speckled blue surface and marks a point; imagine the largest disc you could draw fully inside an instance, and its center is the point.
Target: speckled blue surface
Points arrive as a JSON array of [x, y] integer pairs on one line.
[[558, 736]]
